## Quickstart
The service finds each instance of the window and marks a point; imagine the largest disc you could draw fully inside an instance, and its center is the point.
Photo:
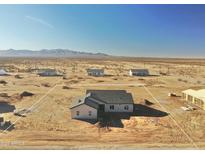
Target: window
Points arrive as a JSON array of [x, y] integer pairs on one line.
[[111, 107], [190, 98], [77, 113], [90, 113], [126, 107], [183, 96]]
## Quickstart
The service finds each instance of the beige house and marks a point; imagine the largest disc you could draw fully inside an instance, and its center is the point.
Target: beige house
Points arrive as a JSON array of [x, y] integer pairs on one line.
[[196, 97], [97, 102]]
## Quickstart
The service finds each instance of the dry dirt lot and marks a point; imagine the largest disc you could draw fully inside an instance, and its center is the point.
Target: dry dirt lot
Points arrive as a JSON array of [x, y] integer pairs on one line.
[[49, 125]]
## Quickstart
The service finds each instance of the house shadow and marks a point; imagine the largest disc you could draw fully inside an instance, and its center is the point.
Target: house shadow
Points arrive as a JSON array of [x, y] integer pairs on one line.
[[154, 75], [108, 75], [91, 121], [5, 107], [143, 110], [177, 96], [148, 75], [115, 119], [50, 76], [112, 119]]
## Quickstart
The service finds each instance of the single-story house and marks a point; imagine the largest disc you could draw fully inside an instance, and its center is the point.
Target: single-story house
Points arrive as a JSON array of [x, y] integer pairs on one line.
[[3, 72], [139, 72], [196, 97], [49, 72], [95, 72], [100, 101]]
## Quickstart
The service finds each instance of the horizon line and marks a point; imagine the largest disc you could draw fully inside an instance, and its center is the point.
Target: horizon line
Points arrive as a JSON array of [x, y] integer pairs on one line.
[[119, 56]]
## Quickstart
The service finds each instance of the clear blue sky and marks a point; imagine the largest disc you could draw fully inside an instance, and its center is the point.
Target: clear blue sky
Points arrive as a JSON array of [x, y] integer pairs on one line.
[[131, 30]]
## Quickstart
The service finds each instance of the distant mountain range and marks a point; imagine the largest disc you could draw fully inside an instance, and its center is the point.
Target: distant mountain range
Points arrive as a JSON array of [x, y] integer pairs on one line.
[[51, 53]]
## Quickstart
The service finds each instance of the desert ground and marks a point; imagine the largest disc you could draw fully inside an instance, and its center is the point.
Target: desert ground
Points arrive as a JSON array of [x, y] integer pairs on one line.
[[49, 124]]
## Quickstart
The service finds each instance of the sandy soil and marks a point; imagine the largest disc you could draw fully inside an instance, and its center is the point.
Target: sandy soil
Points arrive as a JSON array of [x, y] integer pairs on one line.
[[49, 125]]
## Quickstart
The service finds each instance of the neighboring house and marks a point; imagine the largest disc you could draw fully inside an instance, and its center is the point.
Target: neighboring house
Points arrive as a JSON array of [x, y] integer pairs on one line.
[[49, 72], [196, 97], [1, 121], [139, 72], [97, 102], [3, 72], [95, 72]]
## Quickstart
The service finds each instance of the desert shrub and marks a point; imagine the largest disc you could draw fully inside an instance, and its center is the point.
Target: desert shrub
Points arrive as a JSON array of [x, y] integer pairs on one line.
[[100, 81], [147, 102], [65, 77], [179, 79], [4, 95], [26, 94], [46, 84], [80, 78], [185, 81], [66, 87], [3, 82], [18, 77], [73, 81], [198, 82]]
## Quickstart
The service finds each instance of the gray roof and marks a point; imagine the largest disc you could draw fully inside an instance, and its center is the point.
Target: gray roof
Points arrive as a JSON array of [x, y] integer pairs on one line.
[[112, 96], [78, 101], [47, 70], [85, 100], [92, 103], [95, 70], [137, 70], [96, 97]]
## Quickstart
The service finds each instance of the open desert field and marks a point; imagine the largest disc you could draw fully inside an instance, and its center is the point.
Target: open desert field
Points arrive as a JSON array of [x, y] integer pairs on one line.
[[159, 124]]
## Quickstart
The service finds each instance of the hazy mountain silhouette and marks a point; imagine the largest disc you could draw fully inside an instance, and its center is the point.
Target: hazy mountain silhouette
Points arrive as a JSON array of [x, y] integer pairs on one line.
[[50, 53]]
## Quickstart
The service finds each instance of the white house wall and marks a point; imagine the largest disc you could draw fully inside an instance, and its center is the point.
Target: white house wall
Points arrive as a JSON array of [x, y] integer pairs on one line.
[[119, 108], [83, 112], [186, 98], [130, 72]]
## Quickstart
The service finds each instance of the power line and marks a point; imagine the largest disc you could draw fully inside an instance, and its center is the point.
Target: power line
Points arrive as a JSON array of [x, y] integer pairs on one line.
[[170, 115], [30, 108]]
